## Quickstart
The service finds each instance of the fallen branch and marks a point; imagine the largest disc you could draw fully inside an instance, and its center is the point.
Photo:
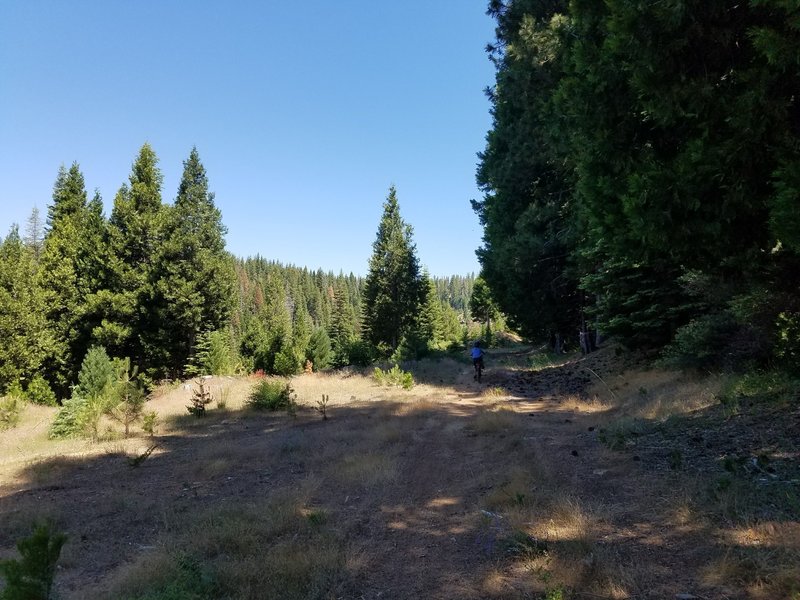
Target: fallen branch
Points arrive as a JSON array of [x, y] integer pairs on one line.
[[610, 391]]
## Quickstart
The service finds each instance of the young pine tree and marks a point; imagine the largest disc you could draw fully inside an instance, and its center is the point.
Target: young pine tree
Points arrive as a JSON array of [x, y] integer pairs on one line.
[[394, 289]]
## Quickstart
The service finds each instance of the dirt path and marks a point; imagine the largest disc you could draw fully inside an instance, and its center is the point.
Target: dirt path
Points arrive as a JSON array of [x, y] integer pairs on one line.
[[454, 490]]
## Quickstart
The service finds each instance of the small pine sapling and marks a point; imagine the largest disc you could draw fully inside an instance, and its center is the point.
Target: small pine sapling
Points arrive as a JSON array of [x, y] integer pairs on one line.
[[31, 578], [200, 398], [126, 398], [322, 406], [150, 422]]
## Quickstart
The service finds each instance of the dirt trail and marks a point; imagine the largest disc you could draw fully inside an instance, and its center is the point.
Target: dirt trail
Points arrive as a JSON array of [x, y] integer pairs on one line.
[[459, 490]]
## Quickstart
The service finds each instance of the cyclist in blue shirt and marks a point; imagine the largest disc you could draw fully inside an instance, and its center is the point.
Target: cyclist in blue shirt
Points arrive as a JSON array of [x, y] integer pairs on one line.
[[477, 357]]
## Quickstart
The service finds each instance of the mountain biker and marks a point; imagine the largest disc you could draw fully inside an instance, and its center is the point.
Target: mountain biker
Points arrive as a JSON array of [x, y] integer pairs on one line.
[[477, 357]]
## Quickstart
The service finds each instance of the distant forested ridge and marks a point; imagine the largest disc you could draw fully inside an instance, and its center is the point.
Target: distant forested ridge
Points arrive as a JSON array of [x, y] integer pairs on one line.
[[642, 175], [154, 283]]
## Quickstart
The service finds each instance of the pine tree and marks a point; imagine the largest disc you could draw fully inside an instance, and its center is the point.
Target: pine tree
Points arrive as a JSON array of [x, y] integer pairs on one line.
[[135, 231], [482, 305], [191, 282], [26, 340], [393, 289], [34, 233], [72, 272], [528, 213], [342, 329], [319, 350], [431, 318]]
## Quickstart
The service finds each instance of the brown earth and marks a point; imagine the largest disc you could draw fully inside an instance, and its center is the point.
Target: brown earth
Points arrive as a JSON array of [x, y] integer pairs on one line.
[[455, 489]]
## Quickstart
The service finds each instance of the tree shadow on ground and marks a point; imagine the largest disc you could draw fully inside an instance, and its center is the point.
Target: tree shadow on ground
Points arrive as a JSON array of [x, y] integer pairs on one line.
[[493, 498]]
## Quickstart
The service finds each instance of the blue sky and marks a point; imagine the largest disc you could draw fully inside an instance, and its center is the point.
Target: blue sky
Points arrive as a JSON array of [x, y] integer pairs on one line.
[[304, 113]]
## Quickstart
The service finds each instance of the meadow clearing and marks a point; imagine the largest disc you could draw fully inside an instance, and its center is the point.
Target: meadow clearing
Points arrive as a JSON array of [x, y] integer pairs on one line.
[[575, 477]]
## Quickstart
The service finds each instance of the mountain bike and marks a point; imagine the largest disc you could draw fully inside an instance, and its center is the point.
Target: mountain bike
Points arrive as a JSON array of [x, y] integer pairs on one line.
[[478, 364]]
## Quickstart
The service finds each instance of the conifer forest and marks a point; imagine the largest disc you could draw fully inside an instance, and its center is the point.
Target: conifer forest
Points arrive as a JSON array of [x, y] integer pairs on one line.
[[608, 408]]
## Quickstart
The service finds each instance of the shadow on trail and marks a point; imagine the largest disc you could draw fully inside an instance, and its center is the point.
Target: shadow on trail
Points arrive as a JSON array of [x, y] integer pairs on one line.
[[456, 500]]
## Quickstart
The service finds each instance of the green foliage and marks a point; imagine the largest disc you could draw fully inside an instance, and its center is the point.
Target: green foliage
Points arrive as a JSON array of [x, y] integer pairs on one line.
[[359, 353], [10, 411], [787, 348], [614, 170], [481, 303], [193, 277], [68, 421], [393, 377], [700, 343], [39, 392], [150, 422], [272, 394], [15, 390], [286, 362], [73, 265], [96, 374], [319, 350], [212, 355], [26, 339], [31, 577], [124, 398], [394, 289], [188, 580], [764, 386]]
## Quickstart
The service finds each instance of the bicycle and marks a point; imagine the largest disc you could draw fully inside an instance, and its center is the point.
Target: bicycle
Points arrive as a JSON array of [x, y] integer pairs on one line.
[[478, 364]]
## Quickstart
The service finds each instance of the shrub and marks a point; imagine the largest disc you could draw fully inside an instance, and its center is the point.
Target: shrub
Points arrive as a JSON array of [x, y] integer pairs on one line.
[[79, 417], [31, 578], [39, 392], [150, 422], [272, 394], [394, 377], [702, 343], [15, 390], [286, 361], [10, 409], [124, 399], [360, 353], [769, 386], [68, 420]]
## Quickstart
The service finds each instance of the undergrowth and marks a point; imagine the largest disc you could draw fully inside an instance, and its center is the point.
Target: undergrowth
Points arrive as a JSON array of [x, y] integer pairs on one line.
[[393, 377], [272, 394]]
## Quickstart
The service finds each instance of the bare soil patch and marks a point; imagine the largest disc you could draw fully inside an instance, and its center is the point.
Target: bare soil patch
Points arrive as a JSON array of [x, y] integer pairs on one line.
[[558, 479]]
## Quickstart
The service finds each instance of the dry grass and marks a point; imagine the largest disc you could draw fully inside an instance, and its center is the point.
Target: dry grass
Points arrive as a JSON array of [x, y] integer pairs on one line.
[[246, 505], [365, 470], [656, 394], [495, 419], [273, 549]]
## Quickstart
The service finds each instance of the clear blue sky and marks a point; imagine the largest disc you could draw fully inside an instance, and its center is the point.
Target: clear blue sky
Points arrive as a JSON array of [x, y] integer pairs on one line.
[[304, 113]]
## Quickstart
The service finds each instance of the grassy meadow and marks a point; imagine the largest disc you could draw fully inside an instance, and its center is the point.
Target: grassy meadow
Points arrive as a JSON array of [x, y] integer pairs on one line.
[[638, 485]]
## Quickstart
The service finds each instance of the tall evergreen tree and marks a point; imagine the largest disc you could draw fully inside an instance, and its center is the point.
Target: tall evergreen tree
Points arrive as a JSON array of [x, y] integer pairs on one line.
[[342, 330], [71, 264], [393, 289], [192, 279], [482, 304], [530, 228], [34, 233], [26, 340], [135, 231]]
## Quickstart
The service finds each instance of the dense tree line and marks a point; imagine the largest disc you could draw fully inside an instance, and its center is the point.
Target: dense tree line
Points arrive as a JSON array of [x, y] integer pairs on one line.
[[640, 176], [153, 285]]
